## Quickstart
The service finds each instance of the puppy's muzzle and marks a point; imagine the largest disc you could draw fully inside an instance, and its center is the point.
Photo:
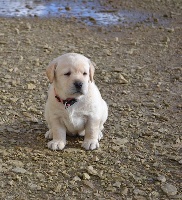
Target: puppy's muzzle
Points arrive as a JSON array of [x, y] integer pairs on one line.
[[78, 86]]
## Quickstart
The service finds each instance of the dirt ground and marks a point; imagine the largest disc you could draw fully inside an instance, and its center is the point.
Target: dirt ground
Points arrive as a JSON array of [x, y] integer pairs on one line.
[[139, 75]]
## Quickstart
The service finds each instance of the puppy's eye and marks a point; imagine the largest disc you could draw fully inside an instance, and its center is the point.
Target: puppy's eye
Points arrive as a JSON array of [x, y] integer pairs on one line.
[[68, 74], [84, 73]]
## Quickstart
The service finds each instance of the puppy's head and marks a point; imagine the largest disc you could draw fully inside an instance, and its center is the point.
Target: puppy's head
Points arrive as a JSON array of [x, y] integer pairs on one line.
[[70, 74]]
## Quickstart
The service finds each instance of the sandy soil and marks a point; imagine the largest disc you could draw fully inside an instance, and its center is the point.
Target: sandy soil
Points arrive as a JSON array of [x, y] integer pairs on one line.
[[139, 75]]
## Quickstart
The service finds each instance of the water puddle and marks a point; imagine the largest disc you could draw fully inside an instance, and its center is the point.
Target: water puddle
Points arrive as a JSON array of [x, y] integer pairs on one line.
[[90, 12]]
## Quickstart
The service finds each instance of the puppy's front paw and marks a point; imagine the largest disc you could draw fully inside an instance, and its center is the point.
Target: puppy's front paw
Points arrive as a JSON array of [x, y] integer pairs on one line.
[[48, 134], [56, 144], [90, 144]]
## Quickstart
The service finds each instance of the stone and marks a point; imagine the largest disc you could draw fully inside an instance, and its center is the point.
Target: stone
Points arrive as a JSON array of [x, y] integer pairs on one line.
[[76, 178], [107, 52], [139, 197], [161, 178], [169, 189], [34, 186], [117, 184], [120, 141], [130, 51], [40, 176], [121, 79], [67, 8], [7, 76], [86, 176], [19, 170], [28, 26], [31, 86], [17, 31], [16, 163], [91, 170], [88, 183], [124, 191], [58, 188], [138, 192], [11, 182], [166, 39], [95, 158]]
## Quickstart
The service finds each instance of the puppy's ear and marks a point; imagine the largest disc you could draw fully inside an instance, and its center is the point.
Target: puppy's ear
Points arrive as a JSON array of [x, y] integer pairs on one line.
[[50, 70], [92, 70]]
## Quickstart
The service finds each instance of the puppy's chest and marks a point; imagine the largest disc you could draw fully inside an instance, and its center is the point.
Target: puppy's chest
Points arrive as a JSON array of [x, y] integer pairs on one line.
[[74, 121]]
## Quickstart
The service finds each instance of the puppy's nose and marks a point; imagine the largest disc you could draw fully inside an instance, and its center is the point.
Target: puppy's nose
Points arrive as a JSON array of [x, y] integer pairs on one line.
[[78, 84]]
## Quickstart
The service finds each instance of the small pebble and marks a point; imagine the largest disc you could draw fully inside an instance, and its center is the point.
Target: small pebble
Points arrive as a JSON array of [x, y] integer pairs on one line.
[[161, 178], [169, 189], [86, 176], [19, 170]]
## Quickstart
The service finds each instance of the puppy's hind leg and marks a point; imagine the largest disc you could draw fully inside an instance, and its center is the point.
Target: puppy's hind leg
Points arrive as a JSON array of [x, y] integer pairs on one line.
[[100, 136], [49, 134], [103, 119]]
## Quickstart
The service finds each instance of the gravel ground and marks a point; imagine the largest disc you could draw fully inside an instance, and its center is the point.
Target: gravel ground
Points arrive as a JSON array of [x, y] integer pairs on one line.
[[139, 75]]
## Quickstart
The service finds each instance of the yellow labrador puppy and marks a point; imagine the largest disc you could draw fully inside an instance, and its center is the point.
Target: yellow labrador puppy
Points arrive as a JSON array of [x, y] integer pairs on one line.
[[74, 104]]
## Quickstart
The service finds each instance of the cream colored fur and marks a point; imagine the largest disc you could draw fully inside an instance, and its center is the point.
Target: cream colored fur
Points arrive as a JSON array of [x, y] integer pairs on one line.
[[86, 116]]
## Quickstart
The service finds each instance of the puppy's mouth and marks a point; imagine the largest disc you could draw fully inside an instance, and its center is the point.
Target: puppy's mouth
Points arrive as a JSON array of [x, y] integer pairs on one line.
[[78, 92]]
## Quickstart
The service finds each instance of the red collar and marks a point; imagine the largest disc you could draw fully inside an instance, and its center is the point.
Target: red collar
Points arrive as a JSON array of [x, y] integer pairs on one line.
[[68, 102]]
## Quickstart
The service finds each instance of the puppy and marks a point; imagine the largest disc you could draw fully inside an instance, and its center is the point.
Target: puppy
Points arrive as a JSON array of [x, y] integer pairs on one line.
[[74, 104]]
